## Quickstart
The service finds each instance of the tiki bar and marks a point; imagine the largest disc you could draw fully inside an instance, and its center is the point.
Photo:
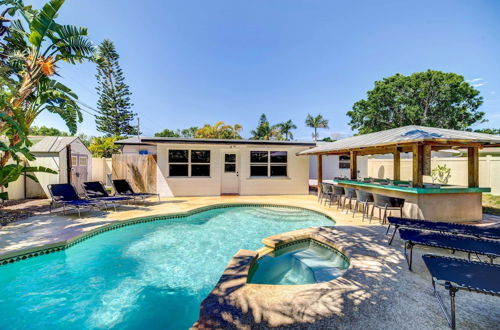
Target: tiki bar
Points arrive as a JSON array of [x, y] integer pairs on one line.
[[421, 198]]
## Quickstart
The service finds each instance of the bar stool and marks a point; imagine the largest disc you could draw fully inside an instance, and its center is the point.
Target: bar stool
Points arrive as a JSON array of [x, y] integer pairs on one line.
[[321, 190], [364, 198], [350, 194], [327, 192], [386, 203], [338, 192]]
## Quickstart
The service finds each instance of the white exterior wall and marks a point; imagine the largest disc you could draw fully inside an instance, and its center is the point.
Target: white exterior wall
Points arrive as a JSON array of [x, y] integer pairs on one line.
[[296, 182], [331, 167]]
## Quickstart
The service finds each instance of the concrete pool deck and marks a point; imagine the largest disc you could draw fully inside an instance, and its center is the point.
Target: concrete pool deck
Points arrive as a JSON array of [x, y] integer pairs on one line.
[[379, 292]]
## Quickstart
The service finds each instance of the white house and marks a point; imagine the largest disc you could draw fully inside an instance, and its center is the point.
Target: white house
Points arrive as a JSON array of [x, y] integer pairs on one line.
[[212, 167]]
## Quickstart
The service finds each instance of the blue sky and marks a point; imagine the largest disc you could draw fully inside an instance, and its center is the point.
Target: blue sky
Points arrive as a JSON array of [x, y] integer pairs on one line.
[[194, 62]]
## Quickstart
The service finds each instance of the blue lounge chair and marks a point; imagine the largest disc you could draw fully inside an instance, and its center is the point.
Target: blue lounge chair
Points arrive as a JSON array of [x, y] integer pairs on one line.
[[123, 188], [95, 190], [489, 248], [65, 194], [459, 274], [443, 227]]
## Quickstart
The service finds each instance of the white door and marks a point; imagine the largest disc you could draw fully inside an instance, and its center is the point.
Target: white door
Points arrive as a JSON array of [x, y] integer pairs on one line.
[[230, 172]]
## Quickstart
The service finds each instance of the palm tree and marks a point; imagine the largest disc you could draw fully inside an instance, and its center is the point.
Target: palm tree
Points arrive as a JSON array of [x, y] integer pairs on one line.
[[32, 54], [286, 129], [316, 122]]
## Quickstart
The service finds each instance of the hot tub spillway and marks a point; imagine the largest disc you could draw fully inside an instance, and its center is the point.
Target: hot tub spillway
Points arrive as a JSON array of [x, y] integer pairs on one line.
[[299, 263]]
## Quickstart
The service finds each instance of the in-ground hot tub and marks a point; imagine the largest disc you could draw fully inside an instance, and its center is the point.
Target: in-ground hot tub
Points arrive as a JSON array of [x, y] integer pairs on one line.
[[300, 262]]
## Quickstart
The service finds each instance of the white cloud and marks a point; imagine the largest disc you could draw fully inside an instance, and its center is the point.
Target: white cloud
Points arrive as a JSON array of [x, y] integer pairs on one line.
[[475, 79], [479, 84]]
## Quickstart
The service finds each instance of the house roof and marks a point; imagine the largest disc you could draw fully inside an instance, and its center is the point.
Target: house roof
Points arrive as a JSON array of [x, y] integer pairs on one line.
[[404, 135], [52, 143], [157, 140]]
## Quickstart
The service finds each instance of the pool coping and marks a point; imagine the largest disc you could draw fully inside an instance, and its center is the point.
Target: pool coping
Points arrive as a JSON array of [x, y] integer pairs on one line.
[[18, 255]]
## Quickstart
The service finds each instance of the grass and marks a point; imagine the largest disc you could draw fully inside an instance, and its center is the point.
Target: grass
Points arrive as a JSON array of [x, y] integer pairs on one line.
[[491, 204]]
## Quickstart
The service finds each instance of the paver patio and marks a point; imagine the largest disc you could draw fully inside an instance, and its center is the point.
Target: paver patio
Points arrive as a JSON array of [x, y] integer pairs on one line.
[[377, 292]]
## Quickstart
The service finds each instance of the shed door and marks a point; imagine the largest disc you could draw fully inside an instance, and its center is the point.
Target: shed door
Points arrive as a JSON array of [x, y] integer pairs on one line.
[[230, 173], [79, 170]]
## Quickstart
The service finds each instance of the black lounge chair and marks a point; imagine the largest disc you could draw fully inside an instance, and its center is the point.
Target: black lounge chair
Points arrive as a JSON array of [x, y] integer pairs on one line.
[[95, 190], [459, 274], [65, 194], [123, 188], [489, 248], [443, 227]]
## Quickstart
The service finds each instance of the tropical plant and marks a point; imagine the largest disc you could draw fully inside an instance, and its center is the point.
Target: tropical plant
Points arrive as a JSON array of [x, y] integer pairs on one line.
[[104, 147], [286, 129], [430, 98], [495, 131], [19, 154], [46, 131], [114, 104], [168, 133], [219, 131], [33, 45], [86, 139], [189, 132], [316, 122], [441, 174], [265, 131]]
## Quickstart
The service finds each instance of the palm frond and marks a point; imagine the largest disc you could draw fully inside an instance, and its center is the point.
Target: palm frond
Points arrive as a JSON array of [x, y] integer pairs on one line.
[[43, 22]]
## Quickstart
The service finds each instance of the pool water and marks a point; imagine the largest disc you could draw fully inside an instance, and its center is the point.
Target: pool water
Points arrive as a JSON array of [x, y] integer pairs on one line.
[[305, 262], [147, 276]]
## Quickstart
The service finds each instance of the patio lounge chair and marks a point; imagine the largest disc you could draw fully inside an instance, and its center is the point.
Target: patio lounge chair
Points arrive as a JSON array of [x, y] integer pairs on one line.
[[443, 227], [65, 194], [123, 188], [489, 248], [95, 190], [459, 274]]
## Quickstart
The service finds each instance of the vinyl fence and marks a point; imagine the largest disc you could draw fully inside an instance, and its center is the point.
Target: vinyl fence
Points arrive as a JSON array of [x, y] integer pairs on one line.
[[489, 170]]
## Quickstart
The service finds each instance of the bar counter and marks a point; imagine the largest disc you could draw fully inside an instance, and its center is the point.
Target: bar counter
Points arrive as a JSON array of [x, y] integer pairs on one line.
[[445, 203]]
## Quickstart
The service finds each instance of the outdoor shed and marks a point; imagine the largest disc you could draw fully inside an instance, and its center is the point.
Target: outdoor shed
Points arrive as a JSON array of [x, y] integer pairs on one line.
[[52, 152], [212, 167]]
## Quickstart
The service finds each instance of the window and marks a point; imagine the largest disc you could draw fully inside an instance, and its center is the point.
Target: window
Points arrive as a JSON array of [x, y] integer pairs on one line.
[[73, 161], [229, 163], [268, 163], [344, 162], [189, 162], [82, 161]]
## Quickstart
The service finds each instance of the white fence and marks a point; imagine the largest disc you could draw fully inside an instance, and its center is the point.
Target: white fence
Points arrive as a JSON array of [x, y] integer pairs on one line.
[[489, 170]]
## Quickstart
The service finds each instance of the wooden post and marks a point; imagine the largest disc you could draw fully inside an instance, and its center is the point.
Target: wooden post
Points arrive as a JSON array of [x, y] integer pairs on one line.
[[68, 163], [354, 165], [473, 166], [397, 164], [427, 154], [320, 172], [417, 176]]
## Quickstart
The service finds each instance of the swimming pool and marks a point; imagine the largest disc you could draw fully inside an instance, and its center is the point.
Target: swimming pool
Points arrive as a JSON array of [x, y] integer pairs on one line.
[[147, 276]]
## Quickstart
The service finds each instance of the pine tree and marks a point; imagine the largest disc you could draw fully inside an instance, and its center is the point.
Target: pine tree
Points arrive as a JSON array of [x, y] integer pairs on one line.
[[114, 104]]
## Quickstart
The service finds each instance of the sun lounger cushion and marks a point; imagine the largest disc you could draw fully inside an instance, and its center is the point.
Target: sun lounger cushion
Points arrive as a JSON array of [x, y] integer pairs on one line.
[[471, 275], [454, 228], [453, 242], [95, 189]]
